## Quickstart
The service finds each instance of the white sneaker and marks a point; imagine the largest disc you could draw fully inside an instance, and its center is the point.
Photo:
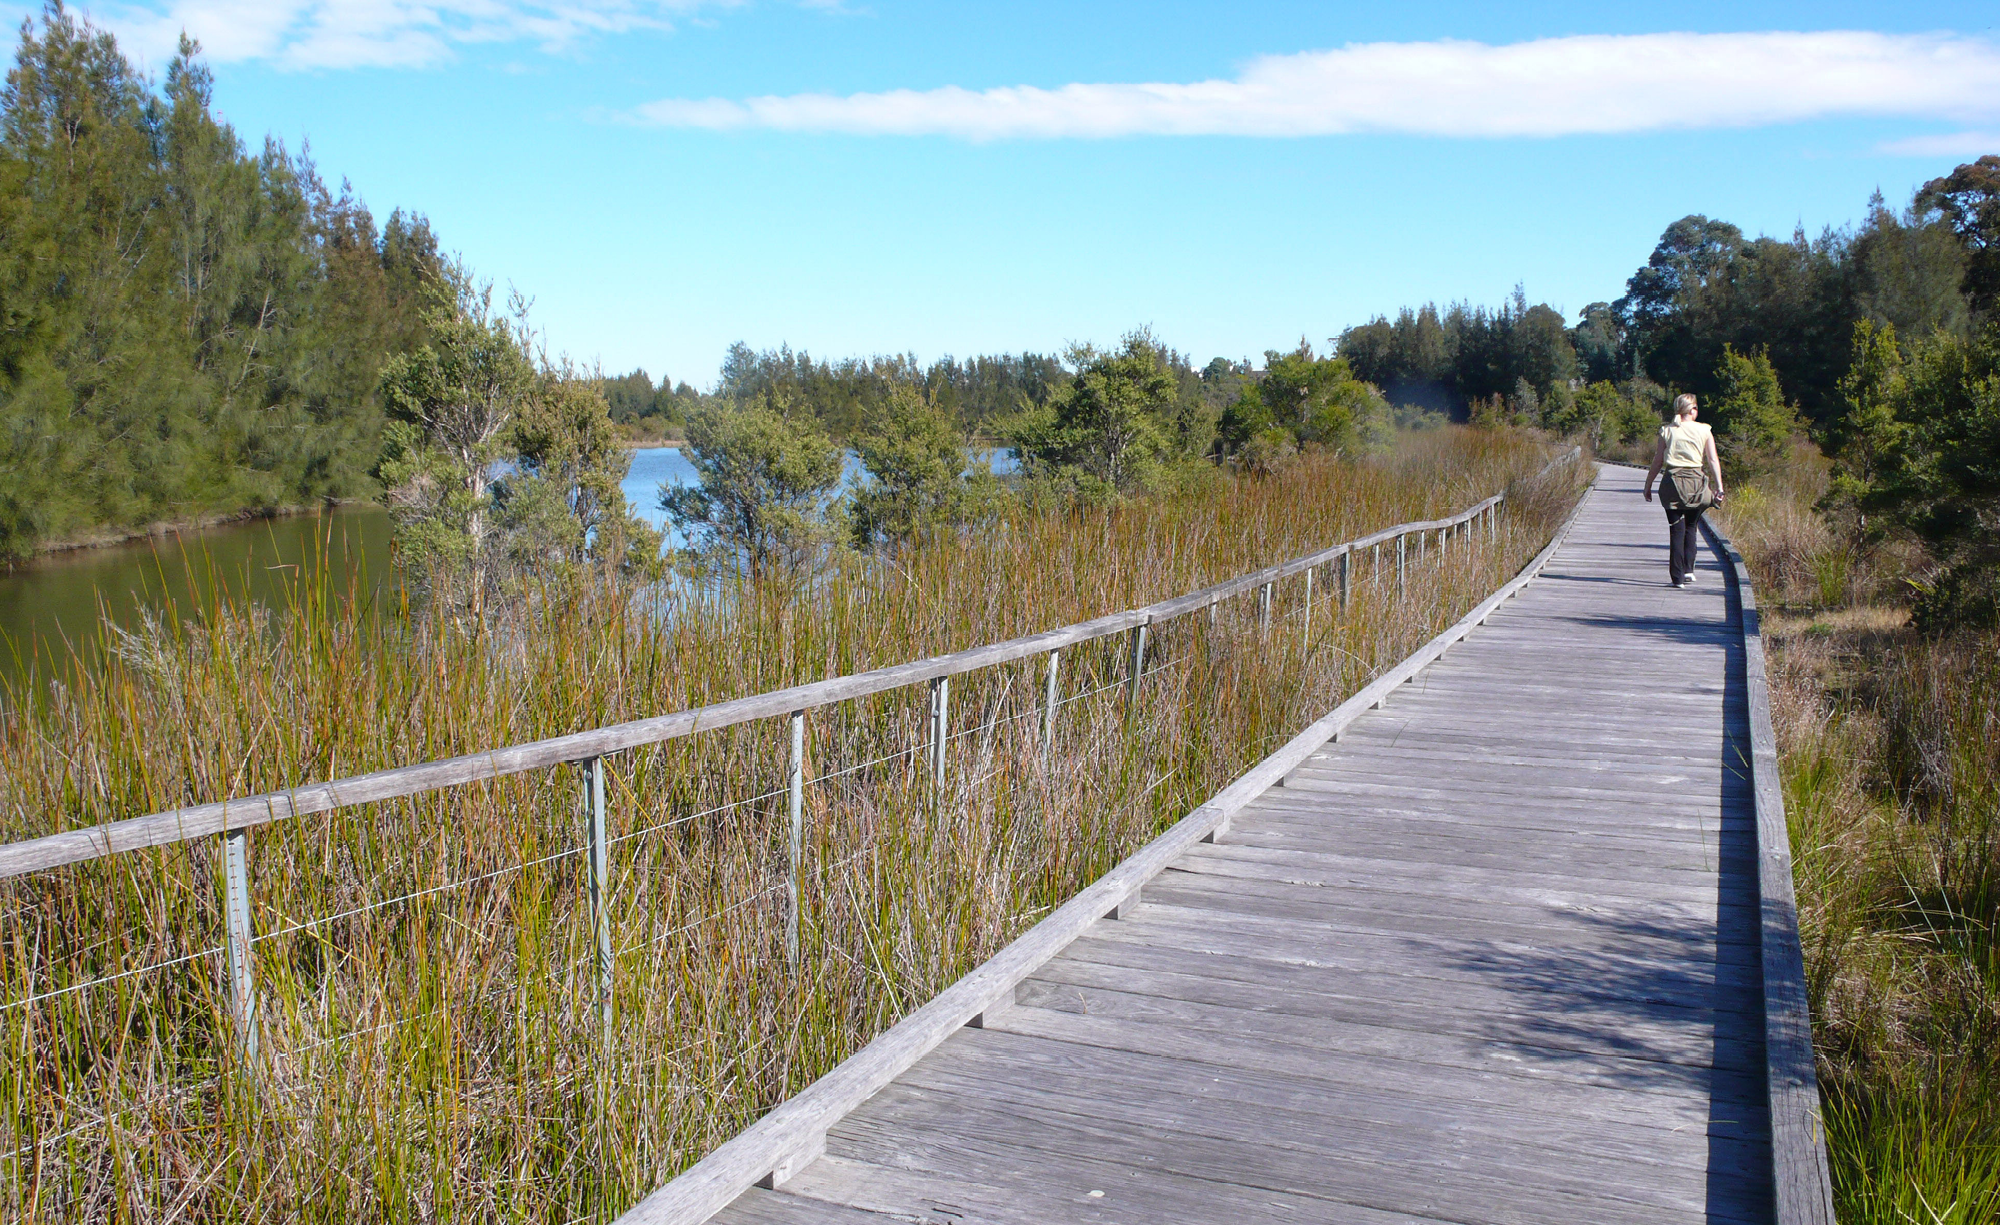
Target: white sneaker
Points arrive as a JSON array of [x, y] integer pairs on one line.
[[1691, 577]]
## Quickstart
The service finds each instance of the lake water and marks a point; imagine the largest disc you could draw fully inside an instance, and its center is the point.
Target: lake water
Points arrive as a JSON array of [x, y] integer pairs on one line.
[[55, 601]]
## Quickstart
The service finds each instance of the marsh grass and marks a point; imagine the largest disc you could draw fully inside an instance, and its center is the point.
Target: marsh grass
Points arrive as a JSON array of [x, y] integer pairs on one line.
[[1890, 748], [431, 1047]]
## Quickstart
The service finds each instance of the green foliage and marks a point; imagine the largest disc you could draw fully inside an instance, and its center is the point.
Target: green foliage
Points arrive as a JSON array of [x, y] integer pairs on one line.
[[978, 394], [919, 464], [1968, 202], [1934, 443], [1114, 428], [452, 404], [563, 503], [1707, 288], [1866, 432], [1605, 413], [1245, 418], [1320, 401], [633, 401], [767, 484], [1752, 421], [1303, 400], [1451, 360], [187, 329]]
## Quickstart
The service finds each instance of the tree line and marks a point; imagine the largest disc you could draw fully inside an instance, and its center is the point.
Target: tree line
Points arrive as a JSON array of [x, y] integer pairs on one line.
[[1093, 426], [188, 328], [1879, 343]]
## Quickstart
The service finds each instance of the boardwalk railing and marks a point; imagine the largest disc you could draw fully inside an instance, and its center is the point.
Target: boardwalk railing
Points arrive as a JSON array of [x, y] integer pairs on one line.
[[232, 821]]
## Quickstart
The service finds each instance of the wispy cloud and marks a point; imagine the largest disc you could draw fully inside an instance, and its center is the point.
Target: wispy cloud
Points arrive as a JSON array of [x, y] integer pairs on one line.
[[1548, 87], [379, 33]]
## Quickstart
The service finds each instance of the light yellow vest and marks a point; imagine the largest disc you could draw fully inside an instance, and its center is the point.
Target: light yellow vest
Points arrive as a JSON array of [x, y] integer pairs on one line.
[[1687, 444]]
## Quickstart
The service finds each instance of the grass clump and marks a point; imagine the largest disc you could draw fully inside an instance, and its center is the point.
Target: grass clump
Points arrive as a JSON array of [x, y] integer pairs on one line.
[[1890, 743], [431, 1041]]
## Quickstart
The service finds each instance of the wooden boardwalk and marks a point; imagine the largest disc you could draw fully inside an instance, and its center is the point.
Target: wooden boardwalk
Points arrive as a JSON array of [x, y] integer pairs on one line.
[[1492, 956]]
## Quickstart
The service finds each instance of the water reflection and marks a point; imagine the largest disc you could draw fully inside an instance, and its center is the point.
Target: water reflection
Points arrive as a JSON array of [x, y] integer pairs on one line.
[[51, 607]]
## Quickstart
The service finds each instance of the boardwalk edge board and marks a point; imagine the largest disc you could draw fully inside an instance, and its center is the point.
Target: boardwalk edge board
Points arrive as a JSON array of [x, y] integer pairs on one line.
[[793, 1133], [1802, 1182]]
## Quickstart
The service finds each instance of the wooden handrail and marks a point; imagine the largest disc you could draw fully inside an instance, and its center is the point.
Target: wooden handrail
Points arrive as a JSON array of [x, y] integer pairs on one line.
[[247, 812]]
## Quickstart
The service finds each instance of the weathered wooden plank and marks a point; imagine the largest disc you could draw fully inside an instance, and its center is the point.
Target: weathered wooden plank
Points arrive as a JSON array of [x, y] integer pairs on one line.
[[1671, 1119], [1393, 726], [1288, 938], [1501, 978], [1630, 783], [1535, 834], [1648, 1034], [1685, 1099], [1362, 870], [987, 1181], [1433, 1184], [1447, 789], [1408, 809], [1419, 745], [1415, 915], [1528, 828], [1535, 1127], [1355, 883], [1405, 843], [760, 1207]]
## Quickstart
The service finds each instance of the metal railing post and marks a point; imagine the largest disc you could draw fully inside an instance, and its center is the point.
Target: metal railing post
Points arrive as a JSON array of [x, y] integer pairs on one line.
[[798, 811], [1264, 607], [597, 856], [1346, 579], [1052, 693], [1402, 564], [1135, 666], [940, 719], [236, 906], [1306, 628]]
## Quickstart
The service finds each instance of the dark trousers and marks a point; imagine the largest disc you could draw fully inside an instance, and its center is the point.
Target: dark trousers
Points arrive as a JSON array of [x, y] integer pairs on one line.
[[1683, 533]]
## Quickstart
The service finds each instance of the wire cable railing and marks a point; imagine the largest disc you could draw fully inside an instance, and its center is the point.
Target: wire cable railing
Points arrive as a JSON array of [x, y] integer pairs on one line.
[[1367, 564]]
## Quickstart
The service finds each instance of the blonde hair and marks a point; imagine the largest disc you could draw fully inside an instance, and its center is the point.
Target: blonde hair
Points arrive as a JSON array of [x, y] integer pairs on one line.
[[1683, 405]]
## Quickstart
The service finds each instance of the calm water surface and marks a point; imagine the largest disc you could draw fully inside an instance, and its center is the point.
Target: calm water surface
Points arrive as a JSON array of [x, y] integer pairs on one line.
[[54, 603]]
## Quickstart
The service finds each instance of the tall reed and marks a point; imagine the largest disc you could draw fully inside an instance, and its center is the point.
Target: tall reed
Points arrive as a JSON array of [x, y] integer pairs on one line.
[[431, 1042]]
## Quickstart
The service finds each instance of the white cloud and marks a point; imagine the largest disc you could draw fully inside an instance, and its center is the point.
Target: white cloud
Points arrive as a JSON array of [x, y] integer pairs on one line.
[[378, 33], [1967, 145], [1549, 87]]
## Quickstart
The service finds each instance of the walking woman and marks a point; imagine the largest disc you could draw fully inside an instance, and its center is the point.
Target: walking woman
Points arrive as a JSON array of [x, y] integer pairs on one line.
[[1687, 452]]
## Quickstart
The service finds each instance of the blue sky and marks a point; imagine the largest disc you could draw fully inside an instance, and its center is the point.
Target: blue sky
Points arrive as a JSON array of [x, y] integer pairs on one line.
[[608, 158]]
